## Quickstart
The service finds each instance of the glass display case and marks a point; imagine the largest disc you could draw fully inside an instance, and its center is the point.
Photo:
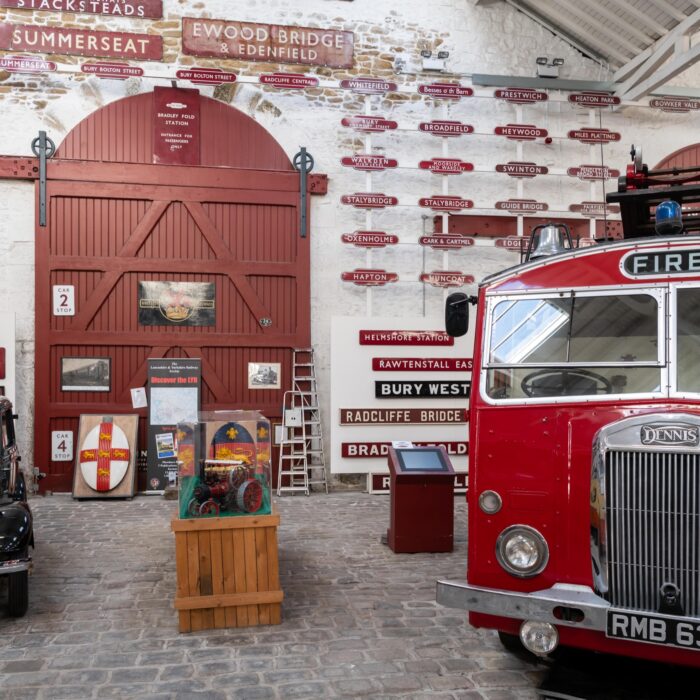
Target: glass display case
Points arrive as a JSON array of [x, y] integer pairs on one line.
[[224, 465]]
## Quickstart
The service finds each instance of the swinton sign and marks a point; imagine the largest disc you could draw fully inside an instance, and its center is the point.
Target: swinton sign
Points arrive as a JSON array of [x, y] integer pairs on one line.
[[273, 43], [120, 8], [516, 168]]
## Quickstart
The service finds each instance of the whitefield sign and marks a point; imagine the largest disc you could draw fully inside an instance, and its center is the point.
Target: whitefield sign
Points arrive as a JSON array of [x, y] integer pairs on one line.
[[397, 379]]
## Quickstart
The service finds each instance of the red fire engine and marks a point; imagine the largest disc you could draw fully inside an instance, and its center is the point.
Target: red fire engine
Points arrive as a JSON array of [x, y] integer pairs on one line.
[[584, 480]]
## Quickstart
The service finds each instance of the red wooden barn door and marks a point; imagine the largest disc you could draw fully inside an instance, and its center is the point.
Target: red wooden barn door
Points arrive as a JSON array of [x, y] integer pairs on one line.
[[115, 220]]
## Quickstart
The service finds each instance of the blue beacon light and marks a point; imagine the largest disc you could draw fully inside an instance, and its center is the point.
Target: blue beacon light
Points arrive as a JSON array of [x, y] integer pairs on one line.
[[669, 219]]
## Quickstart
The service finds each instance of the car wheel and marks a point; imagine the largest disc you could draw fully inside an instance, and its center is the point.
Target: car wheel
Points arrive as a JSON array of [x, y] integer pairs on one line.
[[18, 589]]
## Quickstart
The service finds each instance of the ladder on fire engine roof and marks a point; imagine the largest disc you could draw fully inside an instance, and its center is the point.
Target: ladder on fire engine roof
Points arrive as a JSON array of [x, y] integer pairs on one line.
[[302, 457]]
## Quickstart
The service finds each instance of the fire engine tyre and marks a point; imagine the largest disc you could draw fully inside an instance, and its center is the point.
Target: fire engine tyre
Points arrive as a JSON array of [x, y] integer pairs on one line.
[[18, 593], [567, 379], [250, 496]]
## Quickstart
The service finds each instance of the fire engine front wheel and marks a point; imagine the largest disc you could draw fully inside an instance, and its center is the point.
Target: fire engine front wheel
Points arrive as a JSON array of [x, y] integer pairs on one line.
[[18, 593]]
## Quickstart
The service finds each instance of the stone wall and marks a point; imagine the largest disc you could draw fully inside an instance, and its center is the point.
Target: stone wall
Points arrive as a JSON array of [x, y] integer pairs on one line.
[[492, 39]]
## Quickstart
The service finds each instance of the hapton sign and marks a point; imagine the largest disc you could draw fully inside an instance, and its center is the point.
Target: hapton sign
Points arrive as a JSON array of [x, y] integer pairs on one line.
[[369, 278], [272, 43]]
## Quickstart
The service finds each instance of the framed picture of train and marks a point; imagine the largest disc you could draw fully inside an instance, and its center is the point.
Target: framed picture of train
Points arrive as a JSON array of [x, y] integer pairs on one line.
[[86, 373]]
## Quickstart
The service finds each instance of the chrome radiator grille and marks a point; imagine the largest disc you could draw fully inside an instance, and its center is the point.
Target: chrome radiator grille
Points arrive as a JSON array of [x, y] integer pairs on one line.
[[653, 527]]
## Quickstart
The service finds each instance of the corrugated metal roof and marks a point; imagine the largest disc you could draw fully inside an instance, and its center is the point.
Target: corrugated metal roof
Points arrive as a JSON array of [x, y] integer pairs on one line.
[[614, 31]]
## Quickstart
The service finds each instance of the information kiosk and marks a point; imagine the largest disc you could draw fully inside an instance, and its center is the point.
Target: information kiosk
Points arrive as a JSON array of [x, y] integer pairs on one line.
[[422, 500]]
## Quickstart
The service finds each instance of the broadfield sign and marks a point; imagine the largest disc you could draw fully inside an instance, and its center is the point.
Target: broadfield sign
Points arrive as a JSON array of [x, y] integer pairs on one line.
[[272, 43]]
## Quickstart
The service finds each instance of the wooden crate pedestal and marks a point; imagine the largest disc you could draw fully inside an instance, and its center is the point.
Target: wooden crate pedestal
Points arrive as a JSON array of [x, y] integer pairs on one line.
[[227, 572]]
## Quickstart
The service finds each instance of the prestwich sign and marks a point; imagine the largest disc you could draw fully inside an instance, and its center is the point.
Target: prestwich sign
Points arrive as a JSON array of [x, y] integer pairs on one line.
[[272, 43], [79, 42], [120, 8]]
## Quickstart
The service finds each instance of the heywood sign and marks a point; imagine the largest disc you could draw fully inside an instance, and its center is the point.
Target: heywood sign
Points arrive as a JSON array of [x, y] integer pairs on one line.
[[79, 42], [422, 390], [520, 132], [273, 43], [121, 8]]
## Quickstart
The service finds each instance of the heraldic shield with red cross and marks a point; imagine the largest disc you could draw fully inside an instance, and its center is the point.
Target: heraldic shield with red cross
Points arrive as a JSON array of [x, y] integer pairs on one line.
[[104, 456]]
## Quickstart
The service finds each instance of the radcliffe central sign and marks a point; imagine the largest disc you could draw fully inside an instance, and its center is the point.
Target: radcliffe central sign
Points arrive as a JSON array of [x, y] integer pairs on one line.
[[272, 43]]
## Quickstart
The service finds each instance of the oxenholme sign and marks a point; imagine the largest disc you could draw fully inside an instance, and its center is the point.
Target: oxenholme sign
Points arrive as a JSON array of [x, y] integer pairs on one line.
[[273, 43]]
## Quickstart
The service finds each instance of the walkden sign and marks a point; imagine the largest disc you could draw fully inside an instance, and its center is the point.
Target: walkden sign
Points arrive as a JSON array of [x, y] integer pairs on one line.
[[120, 8], [272, 43], [80, 42]]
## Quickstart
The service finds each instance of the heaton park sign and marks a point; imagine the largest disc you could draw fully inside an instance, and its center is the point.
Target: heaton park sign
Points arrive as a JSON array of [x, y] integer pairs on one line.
[[272, 43]]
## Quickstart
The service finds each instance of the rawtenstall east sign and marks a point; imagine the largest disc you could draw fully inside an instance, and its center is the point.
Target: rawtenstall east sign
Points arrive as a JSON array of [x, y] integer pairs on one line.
[[152, 9], [448, 91], [445, 203], [594, 135], [445, 128], [520, 132], [369, 200], [444, 241], [593, 172], [446, 166], [369, 278], [521, 96], [367, 123], [368, 162], [80, 42], [594, 99], [521, 206], [446, 278], [370, 239], [674, 104], [521, 169], [402, 416], [422, 364], [273, 43], [394, 337]]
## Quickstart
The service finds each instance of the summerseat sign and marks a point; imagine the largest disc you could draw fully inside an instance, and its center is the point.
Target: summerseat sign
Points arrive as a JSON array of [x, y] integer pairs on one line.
[[660, 263]]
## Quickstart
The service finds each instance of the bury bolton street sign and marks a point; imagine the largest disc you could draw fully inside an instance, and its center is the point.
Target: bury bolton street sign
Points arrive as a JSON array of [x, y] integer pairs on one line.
[[422, 390], [369, 200], [26, 64], [446, 128], [152, 9], [593, 172], [116, 71], [368, 86], [446, 166], [402, 416], [515, 243], [594, 135], [444, 241], [516, 168], [445, 203], [520, 132], [364, 122], [522, 206], [370, 239], [594, 99], [521, 96], [80, 42], [594, 209], [368, 161], [446, 278], [449, 91], [290, 81], [422, 364], [369, 278], [272, 43], [206, 76], [675, 104], [398, 337]]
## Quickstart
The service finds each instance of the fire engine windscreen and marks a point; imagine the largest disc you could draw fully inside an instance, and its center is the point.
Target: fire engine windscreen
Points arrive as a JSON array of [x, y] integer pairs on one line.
[[573, 345], [669, 218]]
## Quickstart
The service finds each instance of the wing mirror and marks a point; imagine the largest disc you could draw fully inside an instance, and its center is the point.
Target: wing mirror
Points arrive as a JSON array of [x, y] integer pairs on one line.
[[457, 313]]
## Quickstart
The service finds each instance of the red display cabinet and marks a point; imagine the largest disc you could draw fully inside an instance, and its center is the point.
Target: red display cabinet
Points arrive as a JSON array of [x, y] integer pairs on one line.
[[422, 500]]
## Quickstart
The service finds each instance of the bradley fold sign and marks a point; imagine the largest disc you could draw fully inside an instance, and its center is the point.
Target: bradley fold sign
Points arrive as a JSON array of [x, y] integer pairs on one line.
[[272, 43]]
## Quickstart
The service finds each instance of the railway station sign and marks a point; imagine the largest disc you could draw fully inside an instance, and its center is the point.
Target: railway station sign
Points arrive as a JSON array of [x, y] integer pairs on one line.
[[206, 76], [594, 209], [369, 200], [364, 450], [176, 126], [115, 71], [370, 239], [520, 132], [368, 162], [445, 128], [446, 166], [445, 203], [521, 206], [446, 278], [369, 278], [290, 81], [26, 64], [402, 416], [521, 96], [422, 364], [444, 241], [368, 86], [422, 390], [407, 337], [364, 122], [675, 104], [594, 135], [594, 99], [593, 172], [152, 9], [449, 91], [272, 43], [516, 168]]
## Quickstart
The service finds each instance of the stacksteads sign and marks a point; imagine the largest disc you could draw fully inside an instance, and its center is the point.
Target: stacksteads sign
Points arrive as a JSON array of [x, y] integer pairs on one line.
[[273, 43], [120, 8], [80, 42]]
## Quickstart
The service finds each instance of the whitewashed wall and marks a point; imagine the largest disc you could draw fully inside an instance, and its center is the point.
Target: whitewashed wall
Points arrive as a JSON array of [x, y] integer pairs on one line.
[[493, 39]]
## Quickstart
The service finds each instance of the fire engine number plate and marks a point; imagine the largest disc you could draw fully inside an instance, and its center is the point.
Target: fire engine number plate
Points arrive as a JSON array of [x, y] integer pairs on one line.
[[654, 629]]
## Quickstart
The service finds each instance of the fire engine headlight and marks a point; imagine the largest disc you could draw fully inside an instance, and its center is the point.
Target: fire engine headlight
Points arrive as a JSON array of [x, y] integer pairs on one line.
[[540, 638], [522, 551]]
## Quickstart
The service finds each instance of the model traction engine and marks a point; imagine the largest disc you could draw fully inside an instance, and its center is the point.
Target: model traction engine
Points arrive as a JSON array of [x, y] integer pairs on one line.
[[226, 485]]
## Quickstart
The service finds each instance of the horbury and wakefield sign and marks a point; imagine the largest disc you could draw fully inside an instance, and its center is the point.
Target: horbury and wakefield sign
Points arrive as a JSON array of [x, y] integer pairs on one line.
[[273, 43]]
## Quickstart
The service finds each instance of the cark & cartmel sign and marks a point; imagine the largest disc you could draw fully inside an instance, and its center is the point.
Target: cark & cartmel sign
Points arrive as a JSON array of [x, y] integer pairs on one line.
[[444, 241]]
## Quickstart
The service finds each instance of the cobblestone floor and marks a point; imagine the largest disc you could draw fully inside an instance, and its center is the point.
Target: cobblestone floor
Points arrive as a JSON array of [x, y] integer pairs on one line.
[[358, 620]]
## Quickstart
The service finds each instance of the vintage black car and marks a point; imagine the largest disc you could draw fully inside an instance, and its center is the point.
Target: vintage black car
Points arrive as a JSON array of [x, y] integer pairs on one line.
[[16, 532]]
